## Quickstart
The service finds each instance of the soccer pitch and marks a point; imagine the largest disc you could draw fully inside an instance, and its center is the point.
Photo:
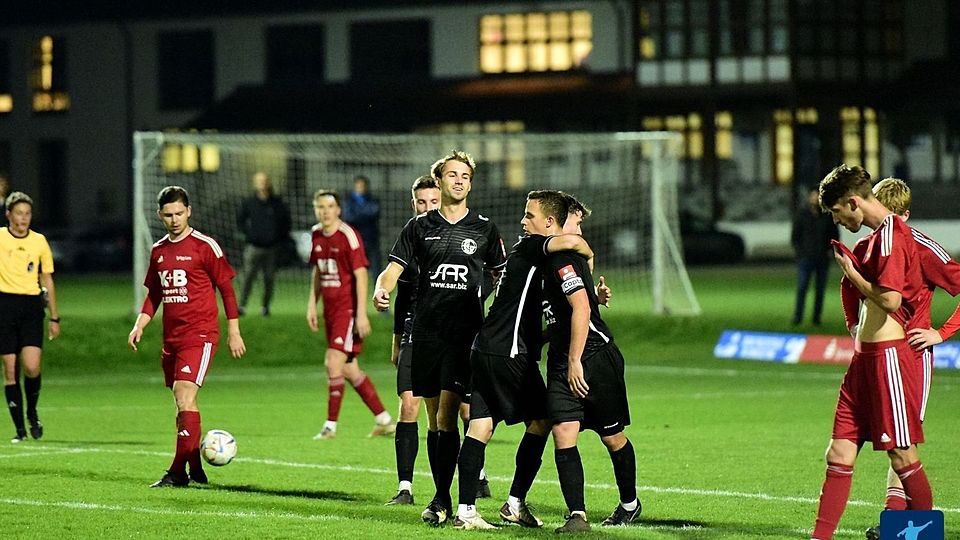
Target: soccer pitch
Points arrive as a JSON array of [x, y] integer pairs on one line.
[[725, 449]]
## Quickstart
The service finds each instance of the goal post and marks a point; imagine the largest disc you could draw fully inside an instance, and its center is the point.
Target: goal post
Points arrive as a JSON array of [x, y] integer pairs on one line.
[[629, 180]]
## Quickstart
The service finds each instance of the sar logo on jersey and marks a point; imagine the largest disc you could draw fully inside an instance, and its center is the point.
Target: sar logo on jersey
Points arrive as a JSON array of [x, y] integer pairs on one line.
[[567, 272], [468, 246]]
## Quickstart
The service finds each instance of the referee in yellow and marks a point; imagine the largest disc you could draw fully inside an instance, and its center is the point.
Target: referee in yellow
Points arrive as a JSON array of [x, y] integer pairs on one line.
[[25, 263]]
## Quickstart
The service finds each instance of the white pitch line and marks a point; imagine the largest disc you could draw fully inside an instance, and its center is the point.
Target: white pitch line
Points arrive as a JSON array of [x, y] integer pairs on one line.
[[766, 497]]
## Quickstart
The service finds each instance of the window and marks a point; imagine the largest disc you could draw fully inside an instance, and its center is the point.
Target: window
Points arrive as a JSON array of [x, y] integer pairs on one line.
[[49, 77], [783, 146], [390, 51], [6, 100], [186, 69], [534, 42], [861, 137], [295, 54], [191, 158]]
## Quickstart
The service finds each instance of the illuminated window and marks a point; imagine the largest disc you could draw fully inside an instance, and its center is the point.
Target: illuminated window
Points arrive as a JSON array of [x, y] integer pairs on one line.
[[191, 158], [6, 100], [49, 80], [723, 121], [783, 146], [533, 42], [861, 138], [690, 126]]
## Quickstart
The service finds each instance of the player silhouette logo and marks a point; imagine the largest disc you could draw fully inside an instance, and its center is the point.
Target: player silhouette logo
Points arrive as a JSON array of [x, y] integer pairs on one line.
[[911, 525], [912, 532]]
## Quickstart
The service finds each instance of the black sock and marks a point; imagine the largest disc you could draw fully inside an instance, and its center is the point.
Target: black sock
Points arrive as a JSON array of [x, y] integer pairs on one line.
[[570, 471], [625, 471], [432, 437], [407, 445], [448, 447], [528, 460], [31, 387], [15, 404], [469, 464]]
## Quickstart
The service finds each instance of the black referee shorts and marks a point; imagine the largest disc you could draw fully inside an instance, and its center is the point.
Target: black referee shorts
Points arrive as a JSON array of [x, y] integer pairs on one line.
[[605, 408], [404, 367], [21, 322], [507, 389], [441, 365]]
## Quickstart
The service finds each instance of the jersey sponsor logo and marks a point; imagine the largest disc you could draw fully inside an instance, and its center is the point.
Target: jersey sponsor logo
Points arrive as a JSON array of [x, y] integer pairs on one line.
[[328, 266], [469, 246], [182, 299], [567, 272], [548, 316], [449, 276], [184, 258], [569, 284], [175, 278]]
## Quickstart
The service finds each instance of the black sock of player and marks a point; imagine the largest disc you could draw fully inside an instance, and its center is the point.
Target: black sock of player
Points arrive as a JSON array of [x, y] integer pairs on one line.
[[432, 437], [31, 387], [469, 464], [570, 471], [528, 460], [448, 447], [625, 471], [407, 444], [15, 404]]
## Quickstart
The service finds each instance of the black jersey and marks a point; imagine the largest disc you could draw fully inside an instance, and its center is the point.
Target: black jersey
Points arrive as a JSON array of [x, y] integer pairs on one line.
[[451, 258], [406, 302], [513, 325], [564, 274]]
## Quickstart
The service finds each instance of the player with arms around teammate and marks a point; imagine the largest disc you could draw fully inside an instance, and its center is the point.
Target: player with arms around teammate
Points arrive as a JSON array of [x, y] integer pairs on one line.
[[939, 270], [585, 383], [452, 247], [506, 383], [881, 392], [25, 263], [340, 278], [185, 267]]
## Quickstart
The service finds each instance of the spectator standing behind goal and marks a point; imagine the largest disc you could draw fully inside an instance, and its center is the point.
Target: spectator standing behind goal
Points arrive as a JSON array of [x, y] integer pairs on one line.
[[25, 263], [880, 395], [264, 220], [585, 382], [362, 210], [811, 235], [185, 267], [340, 279], [452, 246], [939, 270]]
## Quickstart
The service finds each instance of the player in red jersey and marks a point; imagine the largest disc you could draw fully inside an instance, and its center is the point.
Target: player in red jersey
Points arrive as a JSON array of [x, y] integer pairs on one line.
[[939, 270], [879, 396], [340, 278], [185, 266]]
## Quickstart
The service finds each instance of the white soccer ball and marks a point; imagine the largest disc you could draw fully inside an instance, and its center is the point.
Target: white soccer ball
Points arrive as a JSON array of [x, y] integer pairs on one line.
[[218, 447]]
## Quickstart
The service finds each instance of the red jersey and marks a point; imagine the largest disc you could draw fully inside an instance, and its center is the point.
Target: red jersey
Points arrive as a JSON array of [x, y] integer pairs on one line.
[[939, 270], [889, 258], [182, 276], [336, 257]]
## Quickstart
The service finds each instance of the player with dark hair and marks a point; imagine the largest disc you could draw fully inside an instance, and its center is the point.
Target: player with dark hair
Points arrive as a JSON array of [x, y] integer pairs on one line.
[[939, 270], [506, 383], [340, 278], [585, 382], [25, 263], [452, 247], [185, 267], [881, 392]]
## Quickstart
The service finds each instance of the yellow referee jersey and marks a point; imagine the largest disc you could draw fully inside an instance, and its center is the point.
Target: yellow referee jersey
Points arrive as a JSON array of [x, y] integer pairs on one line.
[[22, 260]]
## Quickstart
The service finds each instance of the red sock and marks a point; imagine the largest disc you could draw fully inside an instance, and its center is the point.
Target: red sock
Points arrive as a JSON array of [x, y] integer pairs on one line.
[[896, 499], [916, 486], [334, 398], [833, 499], [188, 440], [369, 394]]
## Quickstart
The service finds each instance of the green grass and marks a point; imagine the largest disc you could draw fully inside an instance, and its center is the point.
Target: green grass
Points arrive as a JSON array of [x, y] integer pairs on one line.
[[725, 449]]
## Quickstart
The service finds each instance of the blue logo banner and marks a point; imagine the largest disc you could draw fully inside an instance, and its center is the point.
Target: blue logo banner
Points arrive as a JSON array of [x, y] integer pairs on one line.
[[911, 525]]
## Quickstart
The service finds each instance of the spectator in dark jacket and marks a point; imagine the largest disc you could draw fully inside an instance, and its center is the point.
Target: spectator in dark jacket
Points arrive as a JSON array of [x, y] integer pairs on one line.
[[811, 235], [264, 221], [362, 210]]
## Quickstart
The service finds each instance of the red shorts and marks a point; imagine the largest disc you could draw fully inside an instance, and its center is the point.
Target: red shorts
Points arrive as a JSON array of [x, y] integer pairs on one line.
[[187, 361], [880, 397], [924, 366], [340, 332]]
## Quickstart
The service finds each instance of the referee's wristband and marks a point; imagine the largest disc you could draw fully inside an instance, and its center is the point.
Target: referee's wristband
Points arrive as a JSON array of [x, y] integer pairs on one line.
[[55, 319]]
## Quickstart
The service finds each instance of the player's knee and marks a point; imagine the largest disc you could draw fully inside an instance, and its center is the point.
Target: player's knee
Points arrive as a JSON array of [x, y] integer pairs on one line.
[[614, 442], [481, 429], [540, 428], [841, 451]]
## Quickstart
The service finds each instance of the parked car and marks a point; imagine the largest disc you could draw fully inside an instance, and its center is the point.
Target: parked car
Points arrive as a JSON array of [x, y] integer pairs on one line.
[[703, 243]]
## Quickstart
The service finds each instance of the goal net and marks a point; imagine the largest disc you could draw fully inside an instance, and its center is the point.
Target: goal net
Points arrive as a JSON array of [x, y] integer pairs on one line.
[[629, 180]]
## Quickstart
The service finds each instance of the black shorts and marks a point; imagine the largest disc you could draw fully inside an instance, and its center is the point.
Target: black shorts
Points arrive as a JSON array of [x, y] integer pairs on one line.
[[605, 408], [21, 322], [441, 365], [507, 389], [404, 368]]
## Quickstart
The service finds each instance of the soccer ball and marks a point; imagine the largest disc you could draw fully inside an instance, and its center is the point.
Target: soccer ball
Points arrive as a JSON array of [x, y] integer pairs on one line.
[[218, 447]]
